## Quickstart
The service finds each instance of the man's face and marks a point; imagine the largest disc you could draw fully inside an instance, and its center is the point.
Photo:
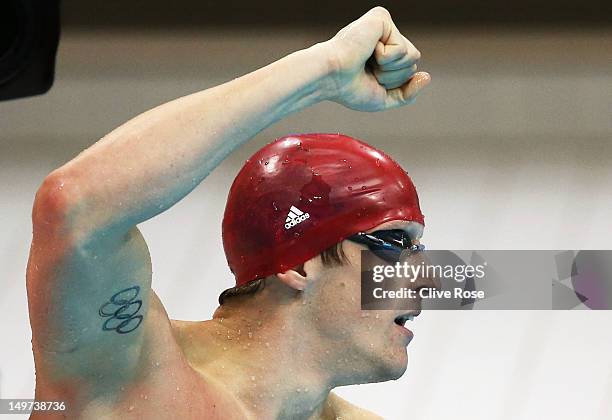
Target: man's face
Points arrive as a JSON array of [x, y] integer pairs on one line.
[[370, 346]]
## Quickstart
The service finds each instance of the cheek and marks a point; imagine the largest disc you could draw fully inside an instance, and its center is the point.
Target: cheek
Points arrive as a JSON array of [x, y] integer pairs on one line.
[[338, 299]]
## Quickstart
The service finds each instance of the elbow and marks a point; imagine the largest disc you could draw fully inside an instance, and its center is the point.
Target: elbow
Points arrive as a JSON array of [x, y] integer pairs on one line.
[[55, 200]]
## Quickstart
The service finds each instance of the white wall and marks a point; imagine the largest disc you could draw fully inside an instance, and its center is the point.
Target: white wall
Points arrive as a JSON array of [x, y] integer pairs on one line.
[[509, 148]]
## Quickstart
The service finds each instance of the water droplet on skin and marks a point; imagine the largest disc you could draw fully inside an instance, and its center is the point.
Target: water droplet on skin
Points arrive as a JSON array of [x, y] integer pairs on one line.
[[377, 316], [378, 162], [363, 187], [131, 407], [299, 390], [146, 397], [274, 205], [266, 162], [350, 188], [178, 388], [157, 364], [296, 234], [229, 337], [259, 323], [250, 334], [252, 378], [224, 348], [267, 344]]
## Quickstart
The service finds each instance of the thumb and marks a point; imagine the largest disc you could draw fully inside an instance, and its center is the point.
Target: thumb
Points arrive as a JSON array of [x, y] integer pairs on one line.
[[407, 93]]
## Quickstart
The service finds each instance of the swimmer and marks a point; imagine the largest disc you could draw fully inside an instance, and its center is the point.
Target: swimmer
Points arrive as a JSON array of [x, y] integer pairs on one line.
[[297, 216]]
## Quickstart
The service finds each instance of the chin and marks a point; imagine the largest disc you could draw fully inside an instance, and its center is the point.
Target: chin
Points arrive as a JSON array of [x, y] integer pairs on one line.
[[390, 367], [397, 370]]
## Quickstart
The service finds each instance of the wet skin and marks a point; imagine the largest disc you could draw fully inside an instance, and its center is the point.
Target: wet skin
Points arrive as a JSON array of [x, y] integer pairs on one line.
[[101, 338], [276, 354]]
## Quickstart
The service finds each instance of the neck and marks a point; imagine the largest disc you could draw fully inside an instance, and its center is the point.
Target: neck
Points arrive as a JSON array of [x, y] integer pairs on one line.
[[266, 360]]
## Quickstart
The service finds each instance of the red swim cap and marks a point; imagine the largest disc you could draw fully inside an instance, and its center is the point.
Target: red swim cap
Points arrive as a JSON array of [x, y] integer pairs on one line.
[[301, 194]]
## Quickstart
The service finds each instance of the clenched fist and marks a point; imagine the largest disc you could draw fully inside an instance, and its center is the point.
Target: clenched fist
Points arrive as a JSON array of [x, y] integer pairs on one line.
[[373, 66]]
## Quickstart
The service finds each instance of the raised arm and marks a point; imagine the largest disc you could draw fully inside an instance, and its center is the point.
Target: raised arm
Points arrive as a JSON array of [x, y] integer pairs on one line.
[[89, 272]]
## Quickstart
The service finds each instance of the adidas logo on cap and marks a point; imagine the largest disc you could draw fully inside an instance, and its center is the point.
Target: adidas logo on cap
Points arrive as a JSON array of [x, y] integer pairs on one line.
[[294, 217]]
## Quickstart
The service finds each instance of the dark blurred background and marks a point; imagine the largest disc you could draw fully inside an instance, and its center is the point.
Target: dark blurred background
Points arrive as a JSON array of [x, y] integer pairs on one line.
[[179, 13]]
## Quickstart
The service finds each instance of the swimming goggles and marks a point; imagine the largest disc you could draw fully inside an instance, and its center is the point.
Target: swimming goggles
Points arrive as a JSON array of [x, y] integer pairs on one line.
[[387, 244]]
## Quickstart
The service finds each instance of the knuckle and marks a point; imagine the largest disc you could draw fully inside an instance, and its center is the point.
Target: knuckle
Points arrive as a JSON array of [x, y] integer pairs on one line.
[[381, 11]]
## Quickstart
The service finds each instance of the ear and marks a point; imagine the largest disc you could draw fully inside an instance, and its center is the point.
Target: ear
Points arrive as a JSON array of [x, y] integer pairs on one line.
[[292, 279]]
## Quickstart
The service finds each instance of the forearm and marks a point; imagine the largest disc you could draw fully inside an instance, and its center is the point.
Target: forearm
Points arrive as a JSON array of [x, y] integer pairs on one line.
[[152, 161]]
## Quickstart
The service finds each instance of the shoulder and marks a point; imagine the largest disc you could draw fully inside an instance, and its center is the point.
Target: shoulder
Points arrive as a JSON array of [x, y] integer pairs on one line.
[[343, 409]]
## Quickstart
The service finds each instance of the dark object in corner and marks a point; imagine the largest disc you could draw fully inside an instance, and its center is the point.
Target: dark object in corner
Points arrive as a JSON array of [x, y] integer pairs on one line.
[[29, 34]]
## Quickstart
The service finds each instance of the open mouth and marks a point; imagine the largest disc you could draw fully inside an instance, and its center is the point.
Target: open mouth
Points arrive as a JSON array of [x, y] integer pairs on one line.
[[403, 318]]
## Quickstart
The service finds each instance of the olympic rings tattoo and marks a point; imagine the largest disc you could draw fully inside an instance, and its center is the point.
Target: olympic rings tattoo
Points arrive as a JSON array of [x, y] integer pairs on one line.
[[121, 311]]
